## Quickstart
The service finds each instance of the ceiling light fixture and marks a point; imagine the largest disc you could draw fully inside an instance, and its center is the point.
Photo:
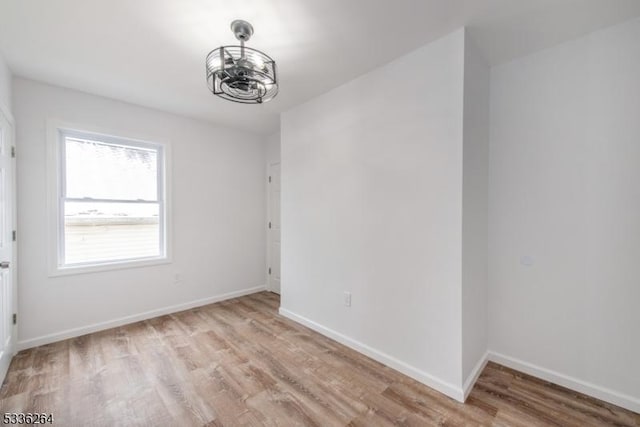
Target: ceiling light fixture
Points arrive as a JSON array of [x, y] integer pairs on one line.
[[239, 73]]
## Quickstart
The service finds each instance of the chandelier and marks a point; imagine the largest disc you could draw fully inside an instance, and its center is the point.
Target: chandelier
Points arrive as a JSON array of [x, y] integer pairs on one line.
[[239, 73]]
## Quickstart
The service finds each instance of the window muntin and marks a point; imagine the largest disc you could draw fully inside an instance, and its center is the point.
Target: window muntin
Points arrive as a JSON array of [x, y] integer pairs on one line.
[[111, 200]]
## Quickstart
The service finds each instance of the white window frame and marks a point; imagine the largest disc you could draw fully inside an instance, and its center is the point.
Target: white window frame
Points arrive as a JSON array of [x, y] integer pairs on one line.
[[57, 131]]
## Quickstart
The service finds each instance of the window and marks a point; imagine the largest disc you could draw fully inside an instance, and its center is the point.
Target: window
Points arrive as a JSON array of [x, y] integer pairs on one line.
[[110, 202]]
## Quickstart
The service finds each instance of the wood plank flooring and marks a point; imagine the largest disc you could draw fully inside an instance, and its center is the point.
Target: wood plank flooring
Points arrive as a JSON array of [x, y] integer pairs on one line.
[[238, 363]]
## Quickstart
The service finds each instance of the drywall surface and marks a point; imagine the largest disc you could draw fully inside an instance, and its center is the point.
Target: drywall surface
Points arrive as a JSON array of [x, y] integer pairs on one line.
[[218, 214], [474, 213], [565, 212], [372, 205]]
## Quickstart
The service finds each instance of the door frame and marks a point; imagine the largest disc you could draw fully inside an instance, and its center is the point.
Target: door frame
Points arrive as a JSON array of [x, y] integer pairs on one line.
[[268, 261], [11, 134]]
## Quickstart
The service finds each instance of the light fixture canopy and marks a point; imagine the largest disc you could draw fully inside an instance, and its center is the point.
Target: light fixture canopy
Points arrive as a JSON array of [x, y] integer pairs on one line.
[[239, 73]]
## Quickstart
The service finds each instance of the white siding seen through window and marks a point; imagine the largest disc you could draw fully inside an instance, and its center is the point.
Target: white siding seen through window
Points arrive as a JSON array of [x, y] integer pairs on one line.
[[111, 200]]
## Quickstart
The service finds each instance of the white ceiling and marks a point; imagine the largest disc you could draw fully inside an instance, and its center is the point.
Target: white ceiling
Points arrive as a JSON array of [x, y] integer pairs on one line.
[[151, 52]]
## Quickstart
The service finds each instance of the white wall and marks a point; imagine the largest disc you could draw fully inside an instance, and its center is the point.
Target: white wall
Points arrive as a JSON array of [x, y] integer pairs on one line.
[[5, 85], [218, 216], [474, 213], [372, 205], [564, 191]]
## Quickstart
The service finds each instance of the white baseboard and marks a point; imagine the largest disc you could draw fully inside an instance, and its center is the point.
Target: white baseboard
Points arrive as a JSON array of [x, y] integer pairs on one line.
[[474, 374], [625, 401], [418, 375], [95, 327]]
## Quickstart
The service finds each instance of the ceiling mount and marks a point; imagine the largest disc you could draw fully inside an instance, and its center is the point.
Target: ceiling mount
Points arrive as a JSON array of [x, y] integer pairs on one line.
[[242, 29]]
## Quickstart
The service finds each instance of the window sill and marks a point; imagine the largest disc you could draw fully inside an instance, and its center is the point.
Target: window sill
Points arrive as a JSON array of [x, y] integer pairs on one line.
[[108, 266]]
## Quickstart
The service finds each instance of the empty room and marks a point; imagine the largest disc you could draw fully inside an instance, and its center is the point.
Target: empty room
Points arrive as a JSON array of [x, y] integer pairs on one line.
[[320, 213]]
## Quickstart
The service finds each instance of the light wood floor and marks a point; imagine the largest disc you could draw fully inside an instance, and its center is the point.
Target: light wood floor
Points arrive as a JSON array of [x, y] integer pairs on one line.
[[240, 363]]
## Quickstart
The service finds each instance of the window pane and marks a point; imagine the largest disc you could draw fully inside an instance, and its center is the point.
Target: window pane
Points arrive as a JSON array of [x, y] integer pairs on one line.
[[110, 231], [109, 171]]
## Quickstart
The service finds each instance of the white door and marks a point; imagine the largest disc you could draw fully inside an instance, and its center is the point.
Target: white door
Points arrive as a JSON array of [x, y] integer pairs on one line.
[[7, 291], [274, 227]]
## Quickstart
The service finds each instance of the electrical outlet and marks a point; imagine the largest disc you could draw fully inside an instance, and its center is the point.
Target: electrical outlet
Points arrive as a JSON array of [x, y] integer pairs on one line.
[[347, 299], [177, 279]]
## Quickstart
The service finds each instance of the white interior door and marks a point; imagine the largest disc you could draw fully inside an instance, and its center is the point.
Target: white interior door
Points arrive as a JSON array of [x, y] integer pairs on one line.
[[274, 227], [7, 290]]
